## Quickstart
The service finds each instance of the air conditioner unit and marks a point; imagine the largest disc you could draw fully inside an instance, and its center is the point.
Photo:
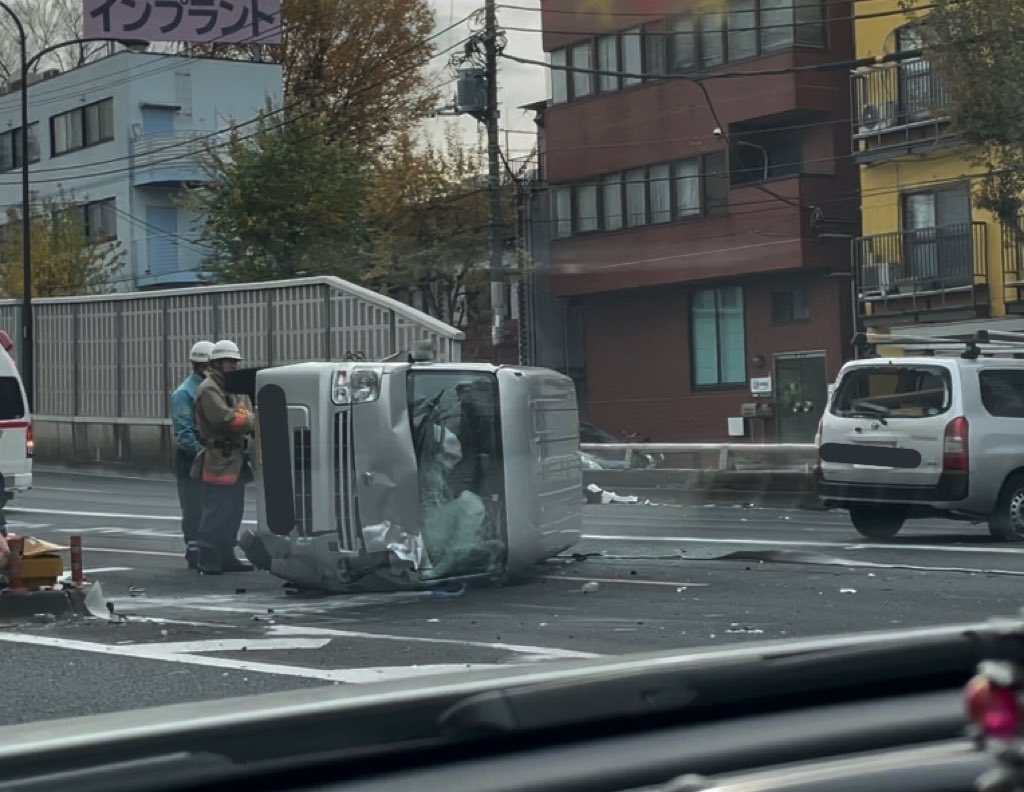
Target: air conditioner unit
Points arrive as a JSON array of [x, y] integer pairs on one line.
[[877, 117], [879, 278]]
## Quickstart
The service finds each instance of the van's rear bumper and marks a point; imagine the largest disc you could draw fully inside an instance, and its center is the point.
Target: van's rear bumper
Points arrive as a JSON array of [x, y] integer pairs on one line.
[[950, 488]]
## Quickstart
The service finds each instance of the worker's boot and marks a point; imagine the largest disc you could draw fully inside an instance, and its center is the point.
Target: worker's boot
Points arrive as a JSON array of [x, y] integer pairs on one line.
[[208, 562]]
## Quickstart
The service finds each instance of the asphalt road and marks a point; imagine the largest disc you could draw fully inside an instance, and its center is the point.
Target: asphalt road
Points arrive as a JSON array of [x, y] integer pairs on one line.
[[668, 577]]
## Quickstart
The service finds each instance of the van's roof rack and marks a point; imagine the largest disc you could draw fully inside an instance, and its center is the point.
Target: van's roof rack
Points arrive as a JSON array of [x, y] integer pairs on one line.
[[981, 343]]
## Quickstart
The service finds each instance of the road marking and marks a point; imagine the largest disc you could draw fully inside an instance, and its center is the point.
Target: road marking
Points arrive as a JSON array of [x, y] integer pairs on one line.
[[69, 489], [118, 551], [113, 530], [624, 580], [105, 515], [540, 651], [354, 676], [800, 543], [99, 571], [232, 645]]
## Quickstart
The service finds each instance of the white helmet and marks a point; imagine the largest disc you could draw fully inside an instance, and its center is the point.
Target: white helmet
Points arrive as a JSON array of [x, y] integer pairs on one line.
[[201, 351], [225, 350]]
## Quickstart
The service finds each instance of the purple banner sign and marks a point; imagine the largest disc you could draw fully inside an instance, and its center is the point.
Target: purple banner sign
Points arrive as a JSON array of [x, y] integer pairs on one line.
[[195, 21]]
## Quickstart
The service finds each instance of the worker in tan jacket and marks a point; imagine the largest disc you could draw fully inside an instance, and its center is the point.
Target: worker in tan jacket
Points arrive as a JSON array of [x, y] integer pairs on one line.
[[225, 423]]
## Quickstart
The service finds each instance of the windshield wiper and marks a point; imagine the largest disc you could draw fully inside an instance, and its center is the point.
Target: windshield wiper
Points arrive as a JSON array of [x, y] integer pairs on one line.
[[866, 409]]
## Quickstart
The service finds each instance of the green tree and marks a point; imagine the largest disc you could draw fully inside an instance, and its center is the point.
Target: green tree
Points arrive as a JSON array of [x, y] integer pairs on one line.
[[976, 48], [282, 201], [428, 227], [64, 260], [361, 65]]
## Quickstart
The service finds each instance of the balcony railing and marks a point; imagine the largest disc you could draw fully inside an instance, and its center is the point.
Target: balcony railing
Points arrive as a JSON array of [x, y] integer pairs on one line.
[[1012, 240], [897, 97], [922, 261], [169, 156]]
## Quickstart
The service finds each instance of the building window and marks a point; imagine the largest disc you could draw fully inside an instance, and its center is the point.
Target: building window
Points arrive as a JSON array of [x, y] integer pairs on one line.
[[562, 205], [82, 127], [586, 208], [684, 45], [99, 220], [788, 23], [661, 193], [636, 198], [611, 198], [688, 188], [712, 40], [717, 327], [656, 44], [582, 81], [742, 24], [10, 147], [632, 56], [608, 61], [559, 78], [791, 305]]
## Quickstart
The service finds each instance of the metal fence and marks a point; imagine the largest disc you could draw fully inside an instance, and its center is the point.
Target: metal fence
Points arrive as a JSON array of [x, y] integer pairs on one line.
[[117, 358]]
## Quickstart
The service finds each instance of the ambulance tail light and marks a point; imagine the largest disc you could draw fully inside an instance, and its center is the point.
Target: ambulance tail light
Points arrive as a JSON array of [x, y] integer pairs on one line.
[[30, 443]]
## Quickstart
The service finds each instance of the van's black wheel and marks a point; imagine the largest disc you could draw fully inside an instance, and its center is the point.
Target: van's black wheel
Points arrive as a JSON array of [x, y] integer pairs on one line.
[[877, 522], [1006, 522]]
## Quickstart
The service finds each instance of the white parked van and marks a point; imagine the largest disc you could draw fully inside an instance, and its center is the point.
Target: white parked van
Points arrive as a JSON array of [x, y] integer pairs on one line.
[[908, 437], [16, 443]]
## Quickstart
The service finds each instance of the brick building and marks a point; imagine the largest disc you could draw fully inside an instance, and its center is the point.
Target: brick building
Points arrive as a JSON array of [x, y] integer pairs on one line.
[[700, 242]]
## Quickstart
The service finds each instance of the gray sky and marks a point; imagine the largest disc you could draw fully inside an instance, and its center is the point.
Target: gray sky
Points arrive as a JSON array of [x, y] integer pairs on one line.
[[518, 84]]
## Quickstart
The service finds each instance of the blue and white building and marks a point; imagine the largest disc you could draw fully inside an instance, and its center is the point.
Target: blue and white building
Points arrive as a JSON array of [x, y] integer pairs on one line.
[[123, 136]]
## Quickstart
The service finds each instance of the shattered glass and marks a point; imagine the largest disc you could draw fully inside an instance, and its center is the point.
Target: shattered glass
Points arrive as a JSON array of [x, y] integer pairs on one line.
[[457, 438]]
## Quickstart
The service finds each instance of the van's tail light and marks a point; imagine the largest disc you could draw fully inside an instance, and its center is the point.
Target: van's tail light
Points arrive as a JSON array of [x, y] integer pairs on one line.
[[955, 445], [30, 443]]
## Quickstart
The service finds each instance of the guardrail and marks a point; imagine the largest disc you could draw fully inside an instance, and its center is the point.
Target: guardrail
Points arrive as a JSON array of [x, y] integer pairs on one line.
[[711, 456], [779, 475]]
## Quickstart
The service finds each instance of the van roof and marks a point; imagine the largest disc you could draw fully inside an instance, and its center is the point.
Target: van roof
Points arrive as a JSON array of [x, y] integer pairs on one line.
[[946, 361]]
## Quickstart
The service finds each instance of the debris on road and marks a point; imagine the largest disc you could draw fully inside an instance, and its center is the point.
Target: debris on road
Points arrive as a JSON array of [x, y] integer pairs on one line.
[[847, 591], [739, 629], [134, 591], [591, 587], [597, 495]]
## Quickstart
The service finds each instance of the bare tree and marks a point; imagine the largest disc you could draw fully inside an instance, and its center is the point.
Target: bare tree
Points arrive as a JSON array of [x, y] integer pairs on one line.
[[47, 23]]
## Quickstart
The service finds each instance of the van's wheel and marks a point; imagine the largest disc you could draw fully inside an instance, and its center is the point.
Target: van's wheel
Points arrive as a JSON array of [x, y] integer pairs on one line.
[[877, 522], [1006, 522]]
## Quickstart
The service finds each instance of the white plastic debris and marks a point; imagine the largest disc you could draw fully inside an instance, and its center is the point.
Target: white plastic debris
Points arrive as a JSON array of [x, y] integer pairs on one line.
[[591, 587], [847, 591]]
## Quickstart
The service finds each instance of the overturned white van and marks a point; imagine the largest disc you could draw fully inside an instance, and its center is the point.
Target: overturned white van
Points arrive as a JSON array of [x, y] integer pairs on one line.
[[398, 475]]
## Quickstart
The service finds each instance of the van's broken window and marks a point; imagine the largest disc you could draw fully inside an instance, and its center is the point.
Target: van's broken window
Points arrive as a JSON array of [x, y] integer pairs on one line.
[[893, 391], [456, 431]]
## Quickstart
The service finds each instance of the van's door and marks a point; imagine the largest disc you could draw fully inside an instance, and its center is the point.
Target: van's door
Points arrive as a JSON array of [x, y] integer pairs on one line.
[[886, 423]]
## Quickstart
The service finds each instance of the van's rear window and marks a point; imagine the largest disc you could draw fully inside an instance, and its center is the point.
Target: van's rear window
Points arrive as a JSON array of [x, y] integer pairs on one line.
[[11, 405], [893, 391]]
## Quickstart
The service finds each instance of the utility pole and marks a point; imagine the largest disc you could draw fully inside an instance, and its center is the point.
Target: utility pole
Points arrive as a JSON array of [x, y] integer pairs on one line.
[[494, 176]]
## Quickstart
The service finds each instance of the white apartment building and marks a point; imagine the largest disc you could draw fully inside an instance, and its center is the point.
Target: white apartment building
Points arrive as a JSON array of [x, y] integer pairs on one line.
[[122, 136]]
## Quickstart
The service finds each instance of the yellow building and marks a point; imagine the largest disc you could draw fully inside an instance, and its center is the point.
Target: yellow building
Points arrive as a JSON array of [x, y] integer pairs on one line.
[[928, 261]]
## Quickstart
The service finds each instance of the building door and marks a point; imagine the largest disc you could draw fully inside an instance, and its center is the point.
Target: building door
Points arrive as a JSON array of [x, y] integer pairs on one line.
[[801, 391], [161, 239]]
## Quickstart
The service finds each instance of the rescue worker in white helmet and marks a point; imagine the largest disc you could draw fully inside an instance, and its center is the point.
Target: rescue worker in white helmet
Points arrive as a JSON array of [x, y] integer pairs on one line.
[[225, 423], [187, 446]]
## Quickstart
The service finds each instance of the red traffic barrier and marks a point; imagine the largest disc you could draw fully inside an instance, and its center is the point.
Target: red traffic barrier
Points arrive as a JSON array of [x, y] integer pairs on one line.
[[77, 572]]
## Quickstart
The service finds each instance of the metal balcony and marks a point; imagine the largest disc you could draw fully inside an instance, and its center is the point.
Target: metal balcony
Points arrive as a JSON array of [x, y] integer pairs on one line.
[[168, 158], [923, 271], [898, 104]]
